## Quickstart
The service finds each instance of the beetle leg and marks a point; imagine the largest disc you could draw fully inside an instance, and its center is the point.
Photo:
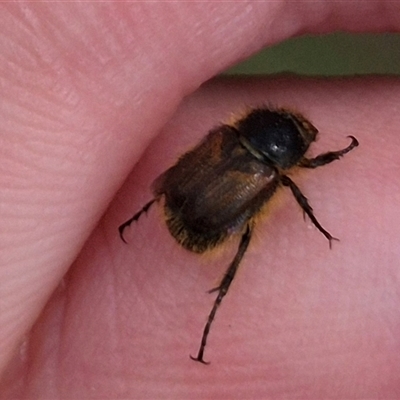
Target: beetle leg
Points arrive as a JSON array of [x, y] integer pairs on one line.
[[223, 290], [304, 204], [327, 158], [134, 218]]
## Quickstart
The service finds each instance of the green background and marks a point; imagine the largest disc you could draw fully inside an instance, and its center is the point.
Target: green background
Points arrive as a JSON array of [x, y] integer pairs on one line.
[[331, 55]]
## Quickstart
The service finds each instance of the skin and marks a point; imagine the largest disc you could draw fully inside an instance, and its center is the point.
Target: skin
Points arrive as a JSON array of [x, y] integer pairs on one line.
[[85, 316]]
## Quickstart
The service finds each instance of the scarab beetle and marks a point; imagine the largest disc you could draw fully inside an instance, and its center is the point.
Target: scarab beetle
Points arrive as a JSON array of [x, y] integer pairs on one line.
[[216, 189]]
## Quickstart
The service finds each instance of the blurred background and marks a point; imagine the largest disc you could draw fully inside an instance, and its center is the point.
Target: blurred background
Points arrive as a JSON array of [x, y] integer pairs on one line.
[[332, 55]]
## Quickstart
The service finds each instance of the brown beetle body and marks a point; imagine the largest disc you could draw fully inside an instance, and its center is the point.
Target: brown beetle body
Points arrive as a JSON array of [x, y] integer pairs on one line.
[[216, 189]]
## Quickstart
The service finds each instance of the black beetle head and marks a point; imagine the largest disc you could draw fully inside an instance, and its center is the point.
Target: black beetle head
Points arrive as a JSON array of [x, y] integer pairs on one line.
[[276, 135]]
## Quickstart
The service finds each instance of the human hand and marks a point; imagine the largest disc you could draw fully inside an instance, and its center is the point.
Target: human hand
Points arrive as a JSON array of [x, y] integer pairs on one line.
[[80, 112]]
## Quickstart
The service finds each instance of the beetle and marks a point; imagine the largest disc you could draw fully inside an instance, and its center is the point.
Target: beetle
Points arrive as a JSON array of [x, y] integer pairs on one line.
[[218, 188]]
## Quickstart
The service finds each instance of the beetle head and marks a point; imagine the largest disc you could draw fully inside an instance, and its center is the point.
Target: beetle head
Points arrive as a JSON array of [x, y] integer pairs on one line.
[[277, 136]]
